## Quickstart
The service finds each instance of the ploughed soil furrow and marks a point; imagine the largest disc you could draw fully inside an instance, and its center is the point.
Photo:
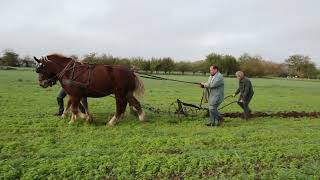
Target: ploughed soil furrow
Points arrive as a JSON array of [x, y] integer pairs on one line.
[[282, 114]]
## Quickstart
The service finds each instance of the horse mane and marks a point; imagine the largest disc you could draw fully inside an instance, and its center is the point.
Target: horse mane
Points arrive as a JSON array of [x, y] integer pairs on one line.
[[59, 56]]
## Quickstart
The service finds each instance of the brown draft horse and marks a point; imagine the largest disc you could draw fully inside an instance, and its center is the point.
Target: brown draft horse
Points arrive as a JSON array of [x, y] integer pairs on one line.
[[85, 80]]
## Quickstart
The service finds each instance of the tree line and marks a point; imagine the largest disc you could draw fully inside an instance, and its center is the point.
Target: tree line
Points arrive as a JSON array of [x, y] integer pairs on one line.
[[254, 66], [11, 58]]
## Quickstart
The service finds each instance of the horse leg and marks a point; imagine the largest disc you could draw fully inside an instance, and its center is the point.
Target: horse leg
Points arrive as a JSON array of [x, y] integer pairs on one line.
[[75, 109], [67, 109], [121, 108], [136, 106], [81, 107], [84, 103], [133, 110]]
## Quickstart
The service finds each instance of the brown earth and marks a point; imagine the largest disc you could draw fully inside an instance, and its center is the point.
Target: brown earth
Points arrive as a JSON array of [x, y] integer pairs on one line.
[[282, 114]]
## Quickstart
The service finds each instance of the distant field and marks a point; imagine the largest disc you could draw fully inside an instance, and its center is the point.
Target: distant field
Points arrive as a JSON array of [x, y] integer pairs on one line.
[[36, 145]]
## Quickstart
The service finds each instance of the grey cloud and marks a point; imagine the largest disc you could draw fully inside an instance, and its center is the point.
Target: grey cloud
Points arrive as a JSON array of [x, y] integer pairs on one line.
[[184, 30]]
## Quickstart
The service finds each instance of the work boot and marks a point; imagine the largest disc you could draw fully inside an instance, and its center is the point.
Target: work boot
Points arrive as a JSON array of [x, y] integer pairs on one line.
[[220, 123], [60, 104]]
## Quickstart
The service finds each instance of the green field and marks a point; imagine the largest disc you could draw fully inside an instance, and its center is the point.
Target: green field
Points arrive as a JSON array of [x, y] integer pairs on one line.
[[36, 145]]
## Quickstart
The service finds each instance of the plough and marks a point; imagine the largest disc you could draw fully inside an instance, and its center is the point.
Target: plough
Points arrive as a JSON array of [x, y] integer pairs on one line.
[[180, 108]]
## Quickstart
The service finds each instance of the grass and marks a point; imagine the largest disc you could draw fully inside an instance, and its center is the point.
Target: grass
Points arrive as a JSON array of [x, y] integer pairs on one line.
[[36, 145]]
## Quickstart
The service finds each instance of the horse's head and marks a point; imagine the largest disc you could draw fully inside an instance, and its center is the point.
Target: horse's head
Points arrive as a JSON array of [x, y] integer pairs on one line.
[[50, 67], [47, 72], [47, 68]]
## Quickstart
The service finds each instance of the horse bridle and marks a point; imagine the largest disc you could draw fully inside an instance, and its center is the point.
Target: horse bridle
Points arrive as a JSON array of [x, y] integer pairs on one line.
[[53, 80]]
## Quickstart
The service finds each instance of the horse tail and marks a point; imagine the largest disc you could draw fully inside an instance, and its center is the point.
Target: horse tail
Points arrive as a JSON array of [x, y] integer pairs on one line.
[[139, 86]]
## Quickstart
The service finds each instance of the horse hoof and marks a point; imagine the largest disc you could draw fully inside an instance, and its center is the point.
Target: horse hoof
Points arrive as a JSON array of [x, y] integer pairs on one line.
[[83, 116], [112, 122], [63, 116], [89, 119], [71, 122], [142, 116], [109, 125]]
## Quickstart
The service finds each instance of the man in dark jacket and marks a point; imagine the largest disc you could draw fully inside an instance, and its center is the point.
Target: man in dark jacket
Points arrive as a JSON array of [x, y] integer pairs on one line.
[[246, 93]]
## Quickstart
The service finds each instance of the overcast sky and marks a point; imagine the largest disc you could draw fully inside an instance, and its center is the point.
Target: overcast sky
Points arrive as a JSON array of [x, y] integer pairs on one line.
[[181, 29]]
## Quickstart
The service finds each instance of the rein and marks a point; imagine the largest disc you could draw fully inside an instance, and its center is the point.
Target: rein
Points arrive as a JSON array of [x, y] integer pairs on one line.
[[150, 76], [67, 68]]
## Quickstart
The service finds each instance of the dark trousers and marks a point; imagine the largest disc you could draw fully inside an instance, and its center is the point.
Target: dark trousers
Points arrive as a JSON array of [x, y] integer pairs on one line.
[[62, 94], [245, 106], [215, 114]]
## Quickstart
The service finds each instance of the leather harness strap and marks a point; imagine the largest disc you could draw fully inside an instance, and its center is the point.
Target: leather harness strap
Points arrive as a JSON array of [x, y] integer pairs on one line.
[[73, 81]]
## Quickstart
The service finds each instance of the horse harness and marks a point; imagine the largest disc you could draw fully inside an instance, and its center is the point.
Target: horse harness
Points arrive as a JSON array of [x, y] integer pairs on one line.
[[73, 79]]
